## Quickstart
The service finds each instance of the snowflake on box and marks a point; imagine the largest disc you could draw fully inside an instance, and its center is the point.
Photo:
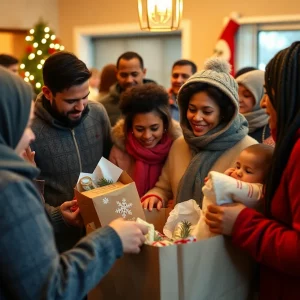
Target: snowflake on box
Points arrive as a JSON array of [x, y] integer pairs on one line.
[[105, 200], [124, 208]]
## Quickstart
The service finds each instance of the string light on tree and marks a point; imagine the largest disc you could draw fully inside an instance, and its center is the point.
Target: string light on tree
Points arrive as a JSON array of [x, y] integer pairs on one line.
[[41, 43], [31, 56]]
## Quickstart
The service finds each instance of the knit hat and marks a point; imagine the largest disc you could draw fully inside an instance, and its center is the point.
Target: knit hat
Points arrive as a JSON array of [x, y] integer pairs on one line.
[[254, 82], [216, 73]]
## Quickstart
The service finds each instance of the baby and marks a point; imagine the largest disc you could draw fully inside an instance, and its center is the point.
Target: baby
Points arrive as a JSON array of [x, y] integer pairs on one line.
[[243, 183], [252, 164]]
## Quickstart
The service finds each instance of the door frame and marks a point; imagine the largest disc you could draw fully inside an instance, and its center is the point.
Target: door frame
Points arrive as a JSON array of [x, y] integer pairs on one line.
[[82, 36]]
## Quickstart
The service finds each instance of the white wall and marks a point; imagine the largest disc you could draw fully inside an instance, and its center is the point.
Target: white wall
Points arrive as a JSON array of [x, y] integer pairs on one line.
[[23, 14], [159, 52]]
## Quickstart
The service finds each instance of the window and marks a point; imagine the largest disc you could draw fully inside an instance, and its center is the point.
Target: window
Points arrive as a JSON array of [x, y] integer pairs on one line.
[[271, 42], [259, 39]]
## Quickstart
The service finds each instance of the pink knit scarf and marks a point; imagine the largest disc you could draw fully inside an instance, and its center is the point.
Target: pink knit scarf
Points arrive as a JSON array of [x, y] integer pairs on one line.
[[148, 161]]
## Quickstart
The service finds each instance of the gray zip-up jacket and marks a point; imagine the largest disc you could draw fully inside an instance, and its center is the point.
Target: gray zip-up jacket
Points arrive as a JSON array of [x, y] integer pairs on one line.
[[62, 153]]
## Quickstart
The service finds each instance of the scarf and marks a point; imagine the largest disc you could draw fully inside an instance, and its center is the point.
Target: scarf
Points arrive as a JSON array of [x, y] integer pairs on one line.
[[256, 119], [206, 150], [148, 162]]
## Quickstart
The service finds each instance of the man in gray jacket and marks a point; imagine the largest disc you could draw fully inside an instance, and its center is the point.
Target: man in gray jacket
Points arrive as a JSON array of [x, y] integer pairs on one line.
[[130, 72], [72, 134]]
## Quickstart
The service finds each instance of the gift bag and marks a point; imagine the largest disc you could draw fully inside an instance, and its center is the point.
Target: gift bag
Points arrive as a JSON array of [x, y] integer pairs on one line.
[[211, 269]]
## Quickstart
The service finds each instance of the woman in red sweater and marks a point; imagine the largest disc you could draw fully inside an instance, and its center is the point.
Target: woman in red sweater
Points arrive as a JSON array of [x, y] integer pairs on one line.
[[273, 239]]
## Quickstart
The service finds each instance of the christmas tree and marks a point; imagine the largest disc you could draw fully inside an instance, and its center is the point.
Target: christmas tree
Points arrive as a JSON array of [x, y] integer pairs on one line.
[[41, 43]]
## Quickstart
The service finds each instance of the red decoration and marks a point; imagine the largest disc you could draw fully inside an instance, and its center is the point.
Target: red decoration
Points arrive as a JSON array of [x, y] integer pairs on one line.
[[51, 50], [56, 41], [225, 45], [29, 49]]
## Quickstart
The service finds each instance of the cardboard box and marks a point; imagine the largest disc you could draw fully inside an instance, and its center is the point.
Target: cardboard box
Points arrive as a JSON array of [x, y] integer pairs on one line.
[[101, 205], [206, 270]]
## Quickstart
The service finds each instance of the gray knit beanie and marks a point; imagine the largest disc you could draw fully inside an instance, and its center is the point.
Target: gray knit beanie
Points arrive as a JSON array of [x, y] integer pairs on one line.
[[254, 82], [216, 73]]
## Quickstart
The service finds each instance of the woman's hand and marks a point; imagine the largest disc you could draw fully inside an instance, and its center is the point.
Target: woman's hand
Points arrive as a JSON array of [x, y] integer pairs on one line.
[[29, 155], [151, 202], [71, 216], [171, 204], [221, 219]]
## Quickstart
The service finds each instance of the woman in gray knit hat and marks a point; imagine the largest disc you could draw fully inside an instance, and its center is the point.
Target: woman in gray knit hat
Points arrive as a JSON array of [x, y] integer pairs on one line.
[[214, 133], [251, 91]]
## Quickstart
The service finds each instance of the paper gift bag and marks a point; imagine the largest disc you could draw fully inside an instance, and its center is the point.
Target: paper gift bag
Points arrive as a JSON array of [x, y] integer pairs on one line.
[[212, 269], [118, 197], [148, 275]]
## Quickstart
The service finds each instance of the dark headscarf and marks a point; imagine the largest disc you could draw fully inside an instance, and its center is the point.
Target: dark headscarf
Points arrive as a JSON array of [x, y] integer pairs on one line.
[[15, 105]]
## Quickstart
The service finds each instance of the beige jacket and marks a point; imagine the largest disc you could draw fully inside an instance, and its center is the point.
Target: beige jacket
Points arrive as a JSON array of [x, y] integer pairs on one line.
[[179, 159]]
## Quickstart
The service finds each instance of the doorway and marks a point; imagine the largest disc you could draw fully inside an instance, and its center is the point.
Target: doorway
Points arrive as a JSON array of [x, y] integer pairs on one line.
[[13, 42]]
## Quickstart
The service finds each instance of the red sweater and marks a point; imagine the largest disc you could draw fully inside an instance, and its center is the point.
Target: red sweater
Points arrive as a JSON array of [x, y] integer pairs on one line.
[[275, 244]]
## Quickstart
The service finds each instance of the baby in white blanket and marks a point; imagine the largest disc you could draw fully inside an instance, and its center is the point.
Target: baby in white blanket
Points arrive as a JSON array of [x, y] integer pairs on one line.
[[243, 183]]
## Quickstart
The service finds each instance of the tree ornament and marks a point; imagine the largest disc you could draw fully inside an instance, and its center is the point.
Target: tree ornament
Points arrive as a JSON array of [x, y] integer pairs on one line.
[[29, 49]]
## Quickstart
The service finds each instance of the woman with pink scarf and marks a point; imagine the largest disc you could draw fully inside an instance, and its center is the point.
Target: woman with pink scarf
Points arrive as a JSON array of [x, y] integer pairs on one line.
[[143, 136]]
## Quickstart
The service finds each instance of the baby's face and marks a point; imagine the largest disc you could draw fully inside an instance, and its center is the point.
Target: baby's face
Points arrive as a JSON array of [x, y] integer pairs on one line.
[[249, 168]]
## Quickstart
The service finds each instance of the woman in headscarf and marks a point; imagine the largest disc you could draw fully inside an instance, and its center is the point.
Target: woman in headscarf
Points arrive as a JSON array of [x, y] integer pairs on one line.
[[31, 267], [214, 133], [251, 92]]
